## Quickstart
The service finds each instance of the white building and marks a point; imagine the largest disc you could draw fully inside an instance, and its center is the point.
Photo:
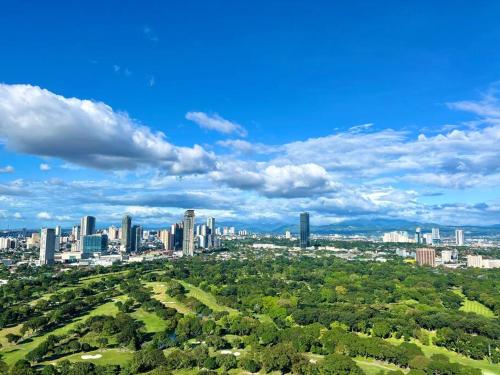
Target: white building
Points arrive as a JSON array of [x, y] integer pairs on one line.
[[459, 237], [47, 246], [446, 256], [475, 261], [396, 237]]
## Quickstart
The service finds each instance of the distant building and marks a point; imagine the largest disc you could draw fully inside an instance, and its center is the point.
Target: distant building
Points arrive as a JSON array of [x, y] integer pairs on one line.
[[75, 232], [47, 246], [418, 235], [135, 238], [288, 235], [188, 233], [304, 230], [177, 236], [475, 261], [427, 239], [126, 238], [436, 237], [426, 257], [211, 224], [113, 233], [58, 230], [166, 239], [87, 226], [93, 243], [459, 237], [397, 236], [446, 256]]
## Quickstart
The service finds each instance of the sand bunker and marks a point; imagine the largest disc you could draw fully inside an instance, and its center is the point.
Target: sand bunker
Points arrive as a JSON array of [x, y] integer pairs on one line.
[[90, 356]]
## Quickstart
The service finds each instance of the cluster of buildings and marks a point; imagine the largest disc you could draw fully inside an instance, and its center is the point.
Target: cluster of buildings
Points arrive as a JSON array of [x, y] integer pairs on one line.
[[477, 261], [114, 243], [433, 238]]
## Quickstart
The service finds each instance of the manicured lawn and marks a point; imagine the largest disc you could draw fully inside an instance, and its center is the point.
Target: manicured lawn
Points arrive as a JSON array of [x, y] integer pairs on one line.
[[152, 322], [13, 353], [474, 306], [108, 357], [159, 292], [206, 298], [372, 367]]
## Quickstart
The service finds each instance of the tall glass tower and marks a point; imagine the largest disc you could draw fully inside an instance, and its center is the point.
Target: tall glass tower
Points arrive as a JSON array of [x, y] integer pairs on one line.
[[304, 230], [188, 234], [126, 233]]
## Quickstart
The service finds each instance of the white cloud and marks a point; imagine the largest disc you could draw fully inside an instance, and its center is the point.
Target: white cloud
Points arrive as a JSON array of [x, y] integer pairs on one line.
[[7, 169], [216, 123], [88, 133], [44, 167], [150, 34], [44, 215]]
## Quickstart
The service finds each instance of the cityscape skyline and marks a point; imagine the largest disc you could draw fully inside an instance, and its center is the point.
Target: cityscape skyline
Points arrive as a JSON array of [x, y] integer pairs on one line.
[[334, 120]]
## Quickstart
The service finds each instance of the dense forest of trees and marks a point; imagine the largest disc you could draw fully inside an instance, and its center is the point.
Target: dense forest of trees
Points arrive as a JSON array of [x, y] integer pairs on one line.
[[293, 314]]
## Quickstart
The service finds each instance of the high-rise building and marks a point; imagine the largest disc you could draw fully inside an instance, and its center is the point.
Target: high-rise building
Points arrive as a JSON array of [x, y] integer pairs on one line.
[[135, 239], [426, 257], [418, 235], [166, 239], [87, 226], [304, 230], [113, 233], [288, 234], [58, 230], [211, 224], [435, 234], [47, 246], [177, 236], [459, 237], [75, 232], [397, 236], [126, 234], [93, 243], [188, 235]]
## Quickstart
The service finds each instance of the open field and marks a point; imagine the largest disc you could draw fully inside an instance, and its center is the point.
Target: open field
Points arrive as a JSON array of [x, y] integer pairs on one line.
[[160, 293], [152, 322]]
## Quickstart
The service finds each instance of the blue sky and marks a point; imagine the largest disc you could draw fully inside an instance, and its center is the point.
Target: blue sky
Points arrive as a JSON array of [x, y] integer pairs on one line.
[[349, 110]]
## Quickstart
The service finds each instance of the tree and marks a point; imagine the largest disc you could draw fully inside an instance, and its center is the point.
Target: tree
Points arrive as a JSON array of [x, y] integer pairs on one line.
[[22, 367], [11, 337], [337, 364], [147, 359]]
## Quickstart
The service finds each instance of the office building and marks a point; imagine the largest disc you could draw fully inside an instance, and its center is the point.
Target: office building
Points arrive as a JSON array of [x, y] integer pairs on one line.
[[47, 246], [113, 233], [188, 233], [426, 257], [304, 230], [211, 224], [75, 232], [58, 230], [427, 239], [166, 239], [177, 236], [418, 235], [93, 243], [436, 237], [126, 238], [459, 237], [135, 239], [87, 226]]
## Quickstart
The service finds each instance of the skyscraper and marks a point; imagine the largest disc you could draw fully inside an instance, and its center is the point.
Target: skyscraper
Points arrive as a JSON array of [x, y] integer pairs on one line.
[[58, 230], [166, 238], [177, 236], [188, 235], [135, 237], [47, 246], [435, 234], [126, 233], [87, 226], [75, 232], [304, 230], [211, 224], [459, 237], [418, 235]]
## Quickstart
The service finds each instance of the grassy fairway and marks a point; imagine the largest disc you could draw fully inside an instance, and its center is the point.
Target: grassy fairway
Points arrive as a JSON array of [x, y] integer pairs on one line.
[[429, 350], [13, 353], [152, 322], [206, 298], [108, 357], [372, 367], [474, 306], [160, 293]]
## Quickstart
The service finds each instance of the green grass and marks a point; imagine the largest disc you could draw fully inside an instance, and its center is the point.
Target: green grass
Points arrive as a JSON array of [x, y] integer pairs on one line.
[[159, 292], [429, 350], [206, 298], [13, 353], [474, 306], [372, 367], [152, 322], [108, 357]]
